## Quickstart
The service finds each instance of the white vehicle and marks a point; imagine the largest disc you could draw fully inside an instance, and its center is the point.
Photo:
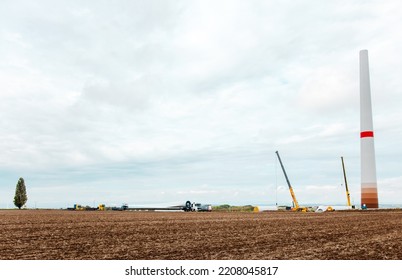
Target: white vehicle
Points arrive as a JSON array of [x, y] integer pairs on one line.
[[201, 207], [197, 207]]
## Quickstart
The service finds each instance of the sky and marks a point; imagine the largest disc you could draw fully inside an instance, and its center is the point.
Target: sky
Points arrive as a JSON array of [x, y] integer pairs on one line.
[[160, 102]]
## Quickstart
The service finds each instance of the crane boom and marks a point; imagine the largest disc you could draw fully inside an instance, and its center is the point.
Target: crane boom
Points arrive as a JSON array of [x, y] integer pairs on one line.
[[346, 184], [296, 204]]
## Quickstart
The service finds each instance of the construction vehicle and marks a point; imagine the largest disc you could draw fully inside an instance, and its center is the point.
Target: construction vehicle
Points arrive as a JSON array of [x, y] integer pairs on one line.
[[346, 184], [79, 207], [332, 208], [296, 206], [196, 207], [325, 208]]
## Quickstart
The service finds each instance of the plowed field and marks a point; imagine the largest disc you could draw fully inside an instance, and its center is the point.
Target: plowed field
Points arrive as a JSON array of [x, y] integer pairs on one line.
[[58, 234]]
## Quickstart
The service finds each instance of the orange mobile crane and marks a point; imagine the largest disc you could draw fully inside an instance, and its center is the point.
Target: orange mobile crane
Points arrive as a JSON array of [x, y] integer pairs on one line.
[[296, 206], [346, 184]]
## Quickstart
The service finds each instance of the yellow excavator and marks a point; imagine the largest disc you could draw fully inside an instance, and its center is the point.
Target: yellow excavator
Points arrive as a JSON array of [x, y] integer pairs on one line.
[[296, 206]]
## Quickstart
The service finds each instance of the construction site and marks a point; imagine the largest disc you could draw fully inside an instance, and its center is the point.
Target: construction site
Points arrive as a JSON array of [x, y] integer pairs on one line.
[[186, 207], [189, 206]]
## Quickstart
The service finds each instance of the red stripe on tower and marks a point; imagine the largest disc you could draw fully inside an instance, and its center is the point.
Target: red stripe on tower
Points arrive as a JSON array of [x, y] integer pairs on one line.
[[364, 134]]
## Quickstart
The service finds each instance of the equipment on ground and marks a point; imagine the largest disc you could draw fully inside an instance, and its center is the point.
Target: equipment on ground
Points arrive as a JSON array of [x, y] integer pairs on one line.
[[78, 207], [187, 207], [196, 207], [346, 184], [123, 207], [295, 203]]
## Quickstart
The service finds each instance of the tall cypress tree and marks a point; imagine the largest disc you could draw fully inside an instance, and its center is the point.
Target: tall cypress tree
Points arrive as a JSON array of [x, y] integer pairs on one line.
[[20, 197]]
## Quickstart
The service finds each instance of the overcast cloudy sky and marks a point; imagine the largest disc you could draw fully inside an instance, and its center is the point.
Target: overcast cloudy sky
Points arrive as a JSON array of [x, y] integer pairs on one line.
[[160, 102]]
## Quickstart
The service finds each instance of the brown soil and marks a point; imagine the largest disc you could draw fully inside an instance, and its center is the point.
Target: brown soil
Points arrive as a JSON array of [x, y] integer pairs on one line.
[[58, 234]]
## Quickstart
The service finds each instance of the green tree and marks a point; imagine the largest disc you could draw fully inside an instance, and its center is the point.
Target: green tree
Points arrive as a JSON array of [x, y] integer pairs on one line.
[[20, 197]]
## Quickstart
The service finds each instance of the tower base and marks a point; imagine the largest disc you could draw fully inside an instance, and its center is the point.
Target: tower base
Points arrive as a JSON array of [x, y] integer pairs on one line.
[[369, 195]]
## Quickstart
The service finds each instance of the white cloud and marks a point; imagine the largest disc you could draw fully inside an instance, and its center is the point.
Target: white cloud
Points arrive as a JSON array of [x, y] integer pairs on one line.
[[194, 93]]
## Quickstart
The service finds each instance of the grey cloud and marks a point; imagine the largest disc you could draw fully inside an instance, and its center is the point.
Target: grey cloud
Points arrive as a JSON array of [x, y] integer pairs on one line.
[[132, 96], [175, 96]]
